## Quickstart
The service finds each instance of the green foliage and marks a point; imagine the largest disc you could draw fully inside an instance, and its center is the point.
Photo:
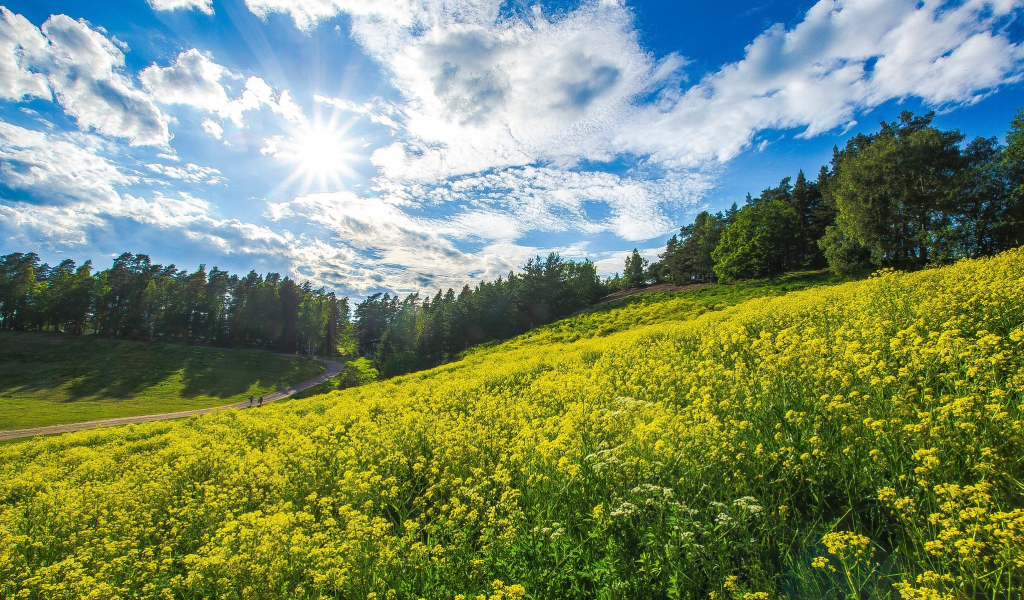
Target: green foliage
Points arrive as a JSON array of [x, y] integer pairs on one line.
[[908, 196], [17, 283], [892, 188], [762, 242], [687, 256], [50, 379], [1013, 156], [634, 272], [314, 317], [844, 256]]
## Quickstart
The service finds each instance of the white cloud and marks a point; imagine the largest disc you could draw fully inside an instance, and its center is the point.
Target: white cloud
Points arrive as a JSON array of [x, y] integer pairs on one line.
[[53, 226], [844, 57], [407, 251], [73, 189], [61, 169], [195, 80], [213, 128], [85, 73], [307, 13], [191, 173], [556, 200], [484, 96], [164, 211], [272, 145], [385, 247], [204, 6], [84, 70], [69, 181], [21, 46]]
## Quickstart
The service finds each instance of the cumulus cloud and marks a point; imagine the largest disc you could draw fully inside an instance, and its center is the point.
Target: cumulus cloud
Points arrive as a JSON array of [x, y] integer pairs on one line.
[[22, 45], [84, 71], [59, 168], [195, 80], [484, 96], [507, 204], [844, 57], [52, 226], [86, 76], [213, 128], [66, 175], [61, 189], [68, 188], [204, 6], [388, 236]]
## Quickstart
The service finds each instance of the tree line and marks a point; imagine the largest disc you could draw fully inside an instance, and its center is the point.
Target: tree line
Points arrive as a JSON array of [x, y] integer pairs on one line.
[[412, 333], [908, 196], [137, 299]]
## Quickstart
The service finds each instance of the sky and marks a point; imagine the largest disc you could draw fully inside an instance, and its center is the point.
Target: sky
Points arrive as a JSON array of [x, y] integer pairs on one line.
[[407, 145]]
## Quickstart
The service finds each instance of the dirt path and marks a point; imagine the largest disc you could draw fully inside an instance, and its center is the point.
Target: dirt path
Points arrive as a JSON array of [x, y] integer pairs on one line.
[[333, 368], [661, 288]]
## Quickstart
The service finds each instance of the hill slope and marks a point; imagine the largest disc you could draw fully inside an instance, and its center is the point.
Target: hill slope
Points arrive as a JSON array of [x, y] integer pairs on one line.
[[50, 379], [859, 439]]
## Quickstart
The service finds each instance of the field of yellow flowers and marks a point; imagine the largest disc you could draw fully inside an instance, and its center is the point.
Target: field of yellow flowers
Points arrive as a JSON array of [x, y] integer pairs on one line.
[[857, 441]]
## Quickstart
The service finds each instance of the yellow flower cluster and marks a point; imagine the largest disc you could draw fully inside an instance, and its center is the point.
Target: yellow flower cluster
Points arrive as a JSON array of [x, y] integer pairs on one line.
[[668, 449]]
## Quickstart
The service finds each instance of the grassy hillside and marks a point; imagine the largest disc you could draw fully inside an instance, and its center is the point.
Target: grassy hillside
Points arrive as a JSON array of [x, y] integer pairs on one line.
[[857, 441], [48, 379]]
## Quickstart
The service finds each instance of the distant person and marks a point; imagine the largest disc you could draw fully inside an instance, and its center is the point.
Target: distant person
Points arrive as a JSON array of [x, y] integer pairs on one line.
[[261, 401], [250, 400]]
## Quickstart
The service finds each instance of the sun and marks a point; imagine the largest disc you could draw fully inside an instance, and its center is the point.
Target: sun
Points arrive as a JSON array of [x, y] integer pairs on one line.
[[321, 155]]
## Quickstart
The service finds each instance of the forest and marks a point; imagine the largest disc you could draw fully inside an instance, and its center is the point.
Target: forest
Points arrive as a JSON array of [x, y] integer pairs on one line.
[[137, 299]]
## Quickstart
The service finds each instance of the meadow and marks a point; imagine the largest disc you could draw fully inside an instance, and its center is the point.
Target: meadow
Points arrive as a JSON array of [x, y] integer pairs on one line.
[[862, 440], [50, 379]]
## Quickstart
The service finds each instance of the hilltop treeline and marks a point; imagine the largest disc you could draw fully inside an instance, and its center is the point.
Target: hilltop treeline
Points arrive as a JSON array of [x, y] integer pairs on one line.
[[414, 333], [908, 196], [137, 299]]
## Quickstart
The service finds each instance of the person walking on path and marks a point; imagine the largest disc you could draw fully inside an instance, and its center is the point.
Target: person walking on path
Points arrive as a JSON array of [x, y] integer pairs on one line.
[[250, 400], [261, 401]]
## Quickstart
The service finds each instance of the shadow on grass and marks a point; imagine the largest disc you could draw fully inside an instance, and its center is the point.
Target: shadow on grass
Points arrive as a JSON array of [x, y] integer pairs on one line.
[[76, 367]]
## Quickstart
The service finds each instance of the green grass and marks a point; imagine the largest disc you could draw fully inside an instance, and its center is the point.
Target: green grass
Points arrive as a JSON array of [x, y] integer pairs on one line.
[[50, 379], [358, 371], [651, 309]]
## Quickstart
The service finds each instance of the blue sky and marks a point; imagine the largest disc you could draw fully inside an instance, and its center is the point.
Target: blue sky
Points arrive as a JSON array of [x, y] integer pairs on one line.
[[404, 145]]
